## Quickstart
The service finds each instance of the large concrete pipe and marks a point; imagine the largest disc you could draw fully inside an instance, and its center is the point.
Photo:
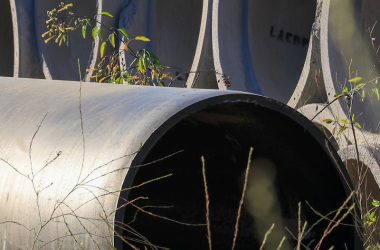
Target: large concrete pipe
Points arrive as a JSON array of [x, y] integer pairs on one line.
[[365, 172], [262, 45], [6, 39], [62, 62], [93, 163], [25, 58], [348, 49], [177, 33]]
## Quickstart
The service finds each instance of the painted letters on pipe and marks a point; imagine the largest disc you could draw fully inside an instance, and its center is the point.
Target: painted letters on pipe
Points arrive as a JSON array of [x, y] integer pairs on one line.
[[262, 45]]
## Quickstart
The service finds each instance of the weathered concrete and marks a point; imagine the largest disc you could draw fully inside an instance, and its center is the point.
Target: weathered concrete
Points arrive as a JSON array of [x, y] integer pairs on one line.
[[76, 192], [346, 52], [62, 62], [262, 45], [173, 27], [26, 61]]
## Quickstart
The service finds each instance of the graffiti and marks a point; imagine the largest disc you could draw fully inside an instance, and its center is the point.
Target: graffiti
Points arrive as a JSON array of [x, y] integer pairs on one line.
[[288, 37]]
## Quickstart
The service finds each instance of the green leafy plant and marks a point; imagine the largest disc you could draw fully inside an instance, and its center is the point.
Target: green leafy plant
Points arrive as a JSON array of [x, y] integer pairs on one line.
[[371, 216], [353, 89], [145, 68]]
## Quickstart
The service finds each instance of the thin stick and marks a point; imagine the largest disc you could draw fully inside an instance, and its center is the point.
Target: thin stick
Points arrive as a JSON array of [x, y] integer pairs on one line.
[[266, 236], [207, 197], [281, 243], [236, 231]]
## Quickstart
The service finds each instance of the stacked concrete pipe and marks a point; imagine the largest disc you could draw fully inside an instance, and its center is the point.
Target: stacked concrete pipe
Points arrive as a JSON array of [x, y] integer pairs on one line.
[[18, 40], [344, 50], [177, 34], [260, 46], [62, 62], [77, 160]]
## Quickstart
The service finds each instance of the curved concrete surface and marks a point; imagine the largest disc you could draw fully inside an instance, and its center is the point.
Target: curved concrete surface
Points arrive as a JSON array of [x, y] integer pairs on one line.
[[346, 52], [202, 76], [368, 175], [262, 45], [6, 39], [25, 55], [345, 139], [62, 62], [173, 28], [79, 185]]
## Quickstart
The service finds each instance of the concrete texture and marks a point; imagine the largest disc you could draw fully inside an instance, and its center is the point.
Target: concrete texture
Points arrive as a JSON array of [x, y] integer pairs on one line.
[[347, 52], [26, 61], [262, 45], [61, 63], [122, 132], [173, 28]]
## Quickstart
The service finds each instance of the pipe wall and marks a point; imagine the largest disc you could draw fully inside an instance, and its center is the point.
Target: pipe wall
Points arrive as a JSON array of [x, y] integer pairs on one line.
[[77, 160]]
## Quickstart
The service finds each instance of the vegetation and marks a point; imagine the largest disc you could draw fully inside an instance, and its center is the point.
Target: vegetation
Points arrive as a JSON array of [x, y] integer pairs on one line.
[[144, 69]]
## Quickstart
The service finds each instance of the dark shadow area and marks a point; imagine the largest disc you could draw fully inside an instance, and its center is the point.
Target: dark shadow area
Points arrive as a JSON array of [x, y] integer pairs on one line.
[[301, 170], [6, 39]]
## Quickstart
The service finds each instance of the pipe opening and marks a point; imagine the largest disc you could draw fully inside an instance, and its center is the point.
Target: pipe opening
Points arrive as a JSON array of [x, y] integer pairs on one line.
[[61, 62], [173, 28], [6, 39], [175, 33], [284, 171], [353, 47], [278, 33]]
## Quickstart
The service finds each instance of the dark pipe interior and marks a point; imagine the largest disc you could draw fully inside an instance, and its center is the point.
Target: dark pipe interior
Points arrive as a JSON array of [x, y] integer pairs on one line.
[[6, 39], [224, 134]]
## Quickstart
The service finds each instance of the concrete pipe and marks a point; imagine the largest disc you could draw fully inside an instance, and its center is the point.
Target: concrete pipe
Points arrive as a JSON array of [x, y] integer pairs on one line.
[[174, 29], [262, 45], [19, 50], [6, 39], [348, 49], [97, 165], [366, 175], [62, 62]]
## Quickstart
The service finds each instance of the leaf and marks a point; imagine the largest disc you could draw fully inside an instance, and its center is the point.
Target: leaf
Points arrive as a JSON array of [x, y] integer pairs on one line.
[[103, 49], [377, 93], [356, 124], [84, 30], [344, 122], [124, 33], [372, 216], [119, 80], [355, 80], [111, 38], [328, 121], [95, 32], [142, 38], [338, 95], [375, 203], [105, 13], [363, 95], [341, 130], [346, 90], [140, 66], [360, 86]]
